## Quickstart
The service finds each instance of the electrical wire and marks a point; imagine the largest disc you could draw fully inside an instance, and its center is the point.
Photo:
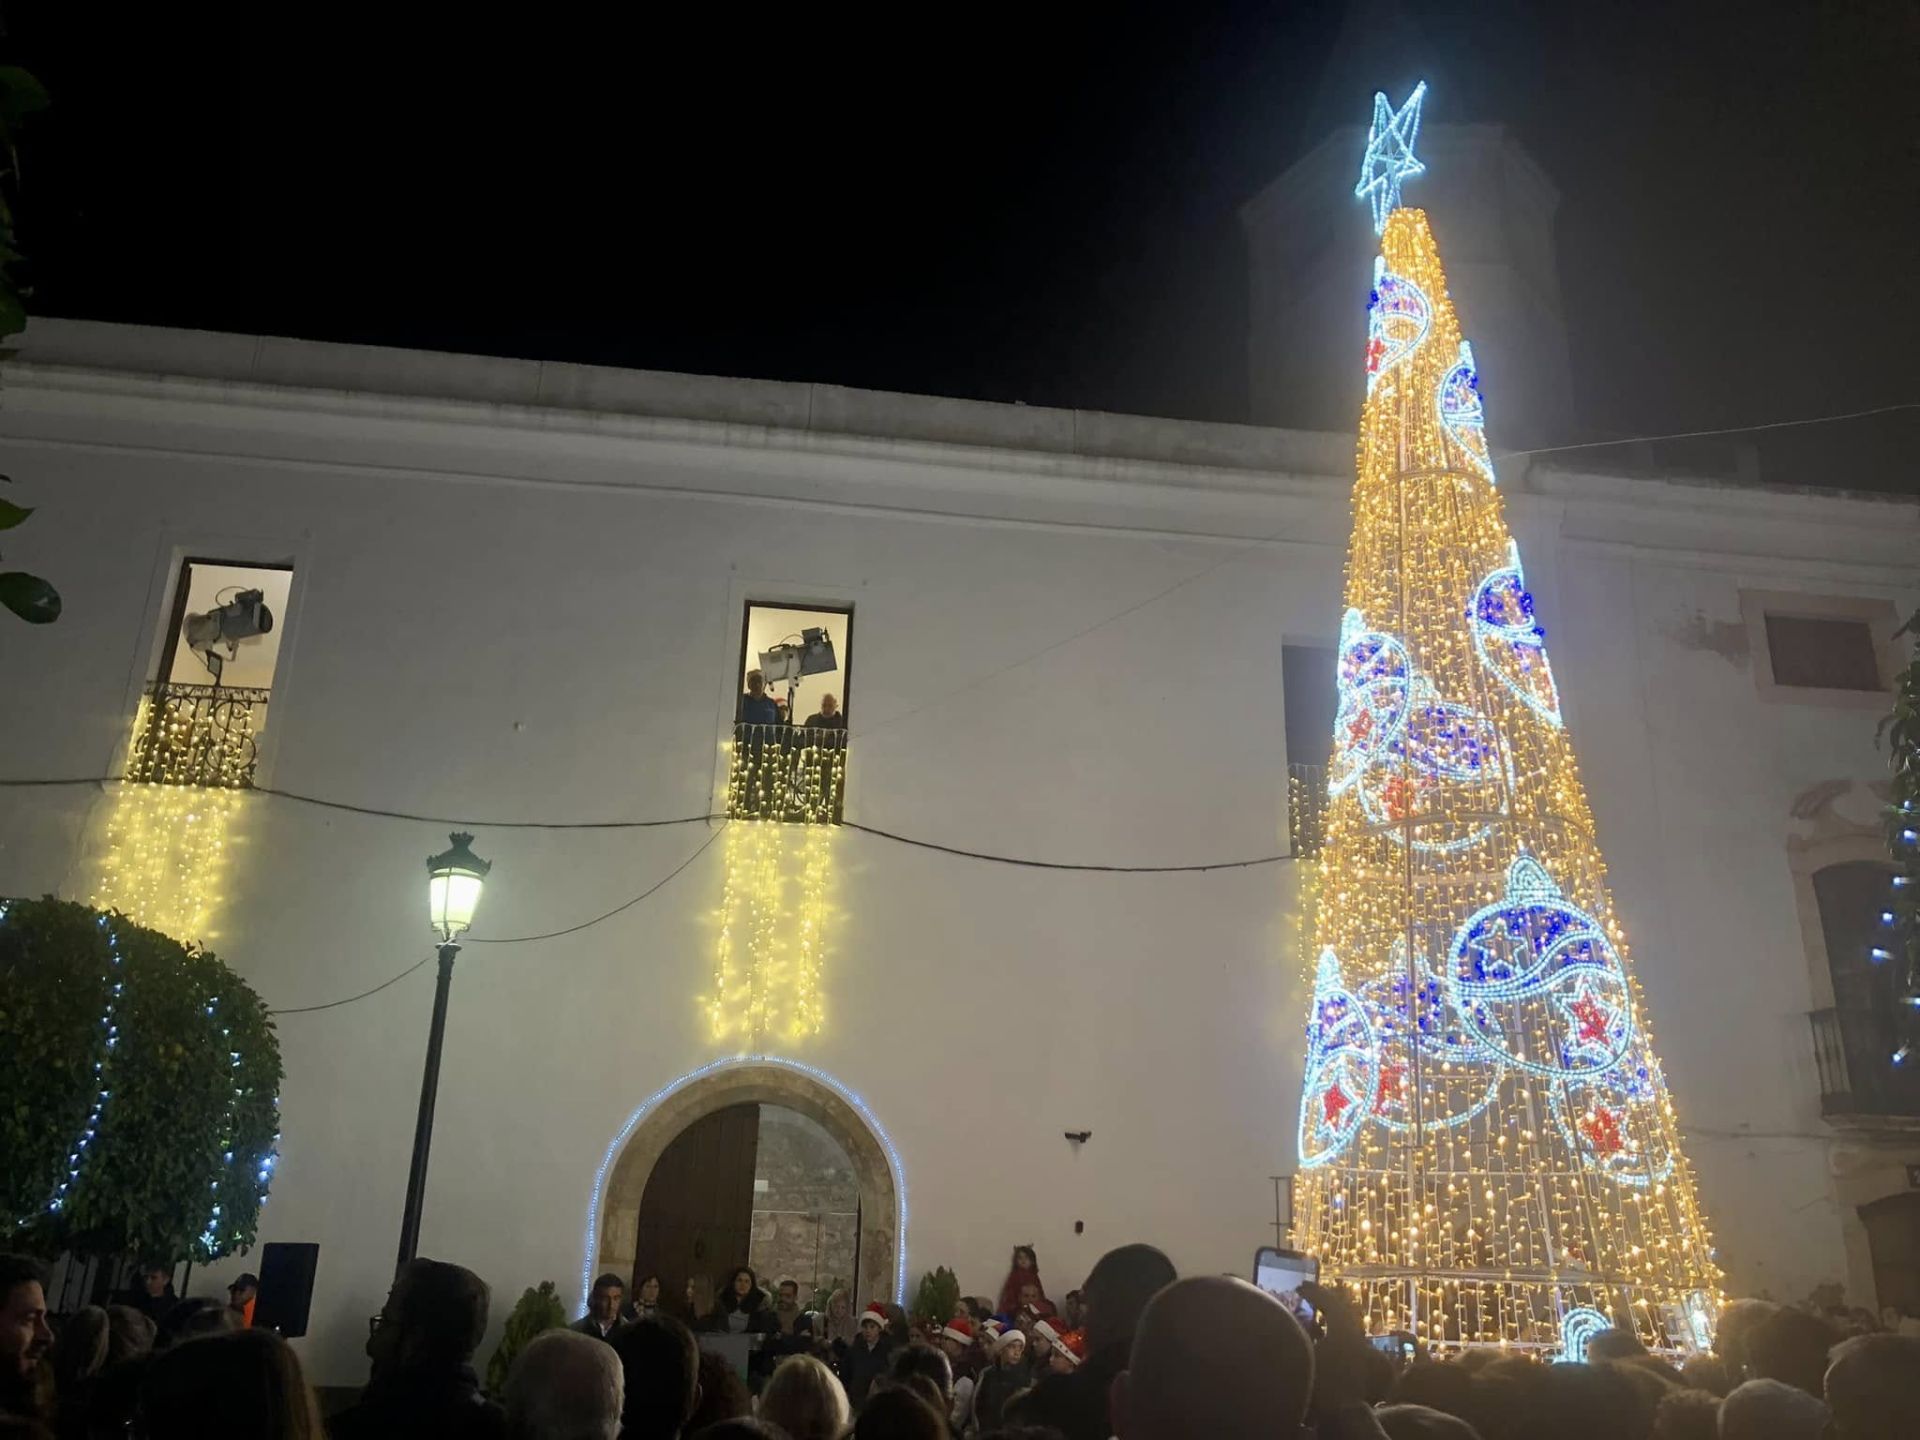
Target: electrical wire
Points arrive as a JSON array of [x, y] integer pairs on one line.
[[1724, 430], [513, 939], [873, 830]]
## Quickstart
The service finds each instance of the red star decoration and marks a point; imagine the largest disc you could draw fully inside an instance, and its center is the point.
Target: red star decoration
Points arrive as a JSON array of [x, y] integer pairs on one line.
[[1398, 797], [1393, 1082], [1334, 1101], [1601, 1126], [1593, 1018], [1376, 352], [1359, 727]]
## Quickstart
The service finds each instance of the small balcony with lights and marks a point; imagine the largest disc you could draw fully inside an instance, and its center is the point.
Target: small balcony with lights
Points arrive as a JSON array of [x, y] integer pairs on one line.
[[1862, 1085], [788, 756]]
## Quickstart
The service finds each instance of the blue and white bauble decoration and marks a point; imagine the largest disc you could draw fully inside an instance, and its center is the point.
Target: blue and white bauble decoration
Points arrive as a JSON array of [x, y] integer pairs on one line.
[[1510, 641], [1463, 414], [1343, 1067]]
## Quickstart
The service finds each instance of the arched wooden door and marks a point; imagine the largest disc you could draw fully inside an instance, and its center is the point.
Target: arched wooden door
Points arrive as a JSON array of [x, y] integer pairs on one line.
[[696, 1216]]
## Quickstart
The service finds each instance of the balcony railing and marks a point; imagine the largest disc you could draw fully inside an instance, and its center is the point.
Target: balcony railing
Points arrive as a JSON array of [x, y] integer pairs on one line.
[[787, 772], [1853, 1049], [1307, 808], [197, 735]]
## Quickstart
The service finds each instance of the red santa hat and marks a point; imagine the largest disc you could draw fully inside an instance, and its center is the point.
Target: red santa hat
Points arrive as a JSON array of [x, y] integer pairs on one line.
[[959, 1330], [876, 1312], [1047, 1333], [1073, 1345]]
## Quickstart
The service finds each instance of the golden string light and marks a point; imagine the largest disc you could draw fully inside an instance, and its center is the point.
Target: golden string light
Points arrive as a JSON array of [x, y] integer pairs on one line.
[[1489, 1151], [784, 791]]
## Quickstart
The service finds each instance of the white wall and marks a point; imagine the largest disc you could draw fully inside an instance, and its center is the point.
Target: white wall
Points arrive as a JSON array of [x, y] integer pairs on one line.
[[463, 579]]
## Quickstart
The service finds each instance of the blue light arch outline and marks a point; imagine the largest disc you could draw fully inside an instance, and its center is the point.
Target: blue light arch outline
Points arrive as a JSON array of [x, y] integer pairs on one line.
[[590, 1246]]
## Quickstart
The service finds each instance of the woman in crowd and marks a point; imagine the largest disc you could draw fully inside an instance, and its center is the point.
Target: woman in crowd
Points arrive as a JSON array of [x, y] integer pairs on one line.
[[646, 1299], [841, 1329], [806, 1399], [1025, 1273], [743, 1309], [241, 1382]]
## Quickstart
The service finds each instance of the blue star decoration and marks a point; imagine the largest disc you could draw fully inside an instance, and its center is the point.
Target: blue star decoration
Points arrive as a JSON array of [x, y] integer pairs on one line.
[[1390, 158]]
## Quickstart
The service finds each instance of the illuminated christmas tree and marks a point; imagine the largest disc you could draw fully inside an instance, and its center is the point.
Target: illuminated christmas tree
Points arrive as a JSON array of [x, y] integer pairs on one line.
[[1489, 1154]]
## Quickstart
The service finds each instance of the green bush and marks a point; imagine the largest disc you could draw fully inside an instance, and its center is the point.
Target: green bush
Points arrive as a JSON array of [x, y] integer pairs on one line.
[[190, 1070], [937, 1298], [538, 1310]]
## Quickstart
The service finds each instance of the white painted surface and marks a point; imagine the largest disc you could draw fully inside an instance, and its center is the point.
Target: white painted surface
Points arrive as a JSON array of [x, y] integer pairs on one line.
[[507, 608]]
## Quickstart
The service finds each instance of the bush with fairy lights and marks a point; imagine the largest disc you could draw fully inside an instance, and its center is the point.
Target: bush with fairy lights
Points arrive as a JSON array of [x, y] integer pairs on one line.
[[143, 1089]]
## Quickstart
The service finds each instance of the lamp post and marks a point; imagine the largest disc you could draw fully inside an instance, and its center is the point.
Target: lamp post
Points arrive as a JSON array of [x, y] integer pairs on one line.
[[455, 878]]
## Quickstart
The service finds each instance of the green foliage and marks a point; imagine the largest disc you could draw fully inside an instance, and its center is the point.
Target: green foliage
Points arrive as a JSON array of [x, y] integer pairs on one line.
[[185, 1088], [939, 1294], [538, 1310]]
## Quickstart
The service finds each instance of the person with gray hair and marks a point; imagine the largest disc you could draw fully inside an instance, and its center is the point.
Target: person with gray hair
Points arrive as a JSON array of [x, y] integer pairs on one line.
[[1771, 1410], [565, 1386], [1873, 1387]]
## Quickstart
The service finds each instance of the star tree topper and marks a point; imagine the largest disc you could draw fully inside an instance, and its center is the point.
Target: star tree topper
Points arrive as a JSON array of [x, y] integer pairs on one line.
[[1390, 158]]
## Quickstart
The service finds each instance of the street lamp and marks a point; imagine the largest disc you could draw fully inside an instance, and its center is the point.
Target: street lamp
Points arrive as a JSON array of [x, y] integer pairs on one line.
[[455, 878]]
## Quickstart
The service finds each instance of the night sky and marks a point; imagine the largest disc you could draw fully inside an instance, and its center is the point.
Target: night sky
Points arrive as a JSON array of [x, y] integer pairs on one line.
[[1031, 203]]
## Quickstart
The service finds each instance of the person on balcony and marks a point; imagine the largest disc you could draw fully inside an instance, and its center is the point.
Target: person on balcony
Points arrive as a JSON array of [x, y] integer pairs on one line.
[[828, 716], [756, 706]]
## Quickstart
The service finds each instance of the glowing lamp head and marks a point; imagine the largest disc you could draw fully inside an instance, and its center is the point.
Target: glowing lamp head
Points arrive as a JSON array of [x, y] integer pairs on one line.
[[455, 878]]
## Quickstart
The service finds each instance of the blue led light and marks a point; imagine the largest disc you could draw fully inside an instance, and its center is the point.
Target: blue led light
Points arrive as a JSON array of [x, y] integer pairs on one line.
[[1462, 412], [1577, 1327], [590, 1245], [1343, 1067], [1510, 641], [1399, 319], [1390, 158]]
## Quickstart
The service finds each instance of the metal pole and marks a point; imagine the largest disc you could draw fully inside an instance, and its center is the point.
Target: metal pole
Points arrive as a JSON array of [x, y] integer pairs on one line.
[[423, 1123]]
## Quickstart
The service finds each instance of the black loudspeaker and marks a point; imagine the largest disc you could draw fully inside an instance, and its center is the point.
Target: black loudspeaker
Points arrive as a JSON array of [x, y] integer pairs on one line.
[[286, 1286]]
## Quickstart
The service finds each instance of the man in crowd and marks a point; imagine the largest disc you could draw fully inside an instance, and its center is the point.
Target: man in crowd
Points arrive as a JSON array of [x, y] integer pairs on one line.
[[422, 1347], [241, 1295], [565, 1386], [1116, 1294], [24, 1337], [786, 1305], [661, 1363], [828, 716], [1213, 1356], [153, 1295], [603, 1308], [756, 707], [1873, 1387]]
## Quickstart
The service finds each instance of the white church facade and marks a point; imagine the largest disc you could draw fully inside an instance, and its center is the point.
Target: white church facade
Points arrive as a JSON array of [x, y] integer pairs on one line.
[[513, 592]]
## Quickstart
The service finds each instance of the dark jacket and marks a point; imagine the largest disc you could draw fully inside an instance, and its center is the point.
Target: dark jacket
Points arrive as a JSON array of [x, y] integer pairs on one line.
[[443, 1403], [587, 1325], [760, 1319], [1076, 1404], [996, 1386], [860, 1367], [758, 710]]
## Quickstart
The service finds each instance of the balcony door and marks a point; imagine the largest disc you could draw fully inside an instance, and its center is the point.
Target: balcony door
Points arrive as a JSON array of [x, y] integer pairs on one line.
[[1893, 1236]]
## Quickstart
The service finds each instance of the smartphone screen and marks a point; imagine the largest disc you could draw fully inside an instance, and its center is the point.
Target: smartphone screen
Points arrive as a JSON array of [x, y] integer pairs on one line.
[[1281, 1273]]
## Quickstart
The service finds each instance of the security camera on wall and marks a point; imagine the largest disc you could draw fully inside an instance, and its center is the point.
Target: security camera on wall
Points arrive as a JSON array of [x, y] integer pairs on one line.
[[244, 617]]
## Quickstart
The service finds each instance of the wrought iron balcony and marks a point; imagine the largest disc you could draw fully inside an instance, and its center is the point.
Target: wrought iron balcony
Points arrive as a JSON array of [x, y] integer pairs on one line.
[[1859, 1082], [1307, 808], [787, 772], [197, 735]]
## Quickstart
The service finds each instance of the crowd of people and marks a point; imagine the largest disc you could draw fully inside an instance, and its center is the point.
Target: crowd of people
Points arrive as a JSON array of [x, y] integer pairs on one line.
[[1138, 1353]]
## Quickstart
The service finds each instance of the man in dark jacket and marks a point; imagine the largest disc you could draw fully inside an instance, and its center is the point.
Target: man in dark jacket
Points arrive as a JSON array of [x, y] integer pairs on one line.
[[868, 1356], [602, 1319], [1116, 1292], [422, 1347]]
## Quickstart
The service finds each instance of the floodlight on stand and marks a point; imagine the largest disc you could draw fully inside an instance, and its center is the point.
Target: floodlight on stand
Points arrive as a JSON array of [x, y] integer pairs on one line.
[[242, 618], [812, 655], [455, 878]]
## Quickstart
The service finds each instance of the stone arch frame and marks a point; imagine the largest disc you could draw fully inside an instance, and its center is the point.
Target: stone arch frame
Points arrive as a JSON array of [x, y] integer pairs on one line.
[[613, 1211]]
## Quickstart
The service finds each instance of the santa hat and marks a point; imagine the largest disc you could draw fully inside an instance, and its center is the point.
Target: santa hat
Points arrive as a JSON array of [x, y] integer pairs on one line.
[[876, 1312], [1011, 1338], [1073, 1345], [1047, 1333], [958, 1330]]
